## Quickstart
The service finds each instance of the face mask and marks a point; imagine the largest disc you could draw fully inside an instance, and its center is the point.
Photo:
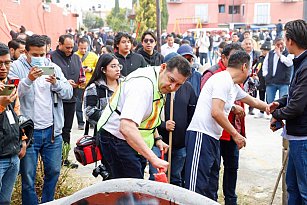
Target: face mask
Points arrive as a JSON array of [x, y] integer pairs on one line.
[[37, 61]]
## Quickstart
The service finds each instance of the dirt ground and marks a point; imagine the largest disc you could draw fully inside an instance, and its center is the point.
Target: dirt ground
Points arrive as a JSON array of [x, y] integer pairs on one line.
[[260, 163]]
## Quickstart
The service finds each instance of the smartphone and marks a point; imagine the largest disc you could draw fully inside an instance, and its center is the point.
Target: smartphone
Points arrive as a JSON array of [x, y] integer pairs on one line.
[[14, 81], [277, 125], [48, 70], [8, 89]]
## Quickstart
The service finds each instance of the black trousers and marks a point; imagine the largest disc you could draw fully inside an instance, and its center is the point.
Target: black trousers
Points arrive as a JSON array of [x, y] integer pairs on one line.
[[69, 113]]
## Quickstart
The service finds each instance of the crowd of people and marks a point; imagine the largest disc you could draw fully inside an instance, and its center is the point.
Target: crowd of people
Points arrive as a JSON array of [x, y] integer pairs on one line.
[[123, 89]]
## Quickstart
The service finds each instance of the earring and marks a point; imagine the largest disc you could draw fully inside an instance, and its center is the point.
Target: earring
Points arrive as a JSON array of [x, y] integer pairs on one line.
[[104, 71]]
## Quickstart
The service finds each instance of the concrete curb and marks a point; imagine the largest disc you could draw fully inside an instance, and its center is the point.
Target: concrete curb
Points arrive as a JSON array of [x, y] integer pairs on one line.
[[168, 192]]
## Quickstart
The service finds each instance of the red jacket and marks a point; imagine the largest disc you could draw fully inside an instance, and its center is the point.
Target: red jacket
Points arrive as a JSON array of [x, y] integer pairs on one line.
[[238, 123]]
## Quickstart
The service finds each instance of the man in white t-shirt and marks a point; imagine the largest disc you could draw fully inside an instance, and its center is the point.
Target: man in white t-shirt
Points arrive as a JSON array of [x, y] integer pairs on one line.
[[215, 102]]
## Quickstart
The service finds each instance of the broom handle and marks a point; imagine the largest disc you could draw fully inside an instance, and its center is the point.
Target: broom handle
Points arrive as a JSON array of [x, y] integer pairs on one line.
[[170, 138]]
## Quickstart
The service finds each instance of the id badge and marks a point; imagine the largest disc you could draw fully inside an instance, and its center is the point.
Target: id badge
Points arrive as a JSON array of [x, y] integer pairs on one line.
[[10, 116]]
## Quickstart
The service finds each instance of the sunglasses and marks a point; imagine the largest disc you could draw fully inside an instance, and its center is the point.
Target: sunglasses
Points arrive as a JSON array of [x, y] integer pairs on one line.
[[150, 40]]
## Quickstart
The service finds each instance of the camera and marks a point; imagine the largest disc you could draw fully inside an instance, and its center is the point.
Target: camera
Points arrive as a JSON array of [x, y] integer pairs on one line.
[[102, 171]]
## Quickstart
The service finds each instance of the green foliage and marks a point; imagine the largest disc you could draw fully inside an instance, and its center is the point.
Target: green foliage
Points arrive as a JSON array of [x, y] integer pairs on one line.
[[92, 21], [118, 21], [146, 16], [164, 15], [66, 185]]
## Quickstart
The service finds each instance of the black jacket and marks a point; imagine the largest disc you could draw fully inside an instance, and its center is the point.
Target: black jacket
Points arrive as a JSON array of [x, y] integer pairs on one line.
[[293, 108], [70, 66], [184, 107], [155, 59], [131, 62]]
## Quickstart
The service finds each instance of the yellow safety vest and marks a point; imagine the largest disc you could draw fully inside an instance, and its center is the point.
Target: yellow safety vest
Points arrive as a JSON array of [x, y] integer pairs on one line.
[[147, 126]]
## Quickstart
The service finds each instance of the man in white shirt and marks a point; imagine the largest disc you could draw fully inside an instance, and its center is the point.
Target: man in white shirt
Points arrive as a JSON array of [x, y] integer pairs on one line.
[[169, 46], [277, 70], [215, 102]]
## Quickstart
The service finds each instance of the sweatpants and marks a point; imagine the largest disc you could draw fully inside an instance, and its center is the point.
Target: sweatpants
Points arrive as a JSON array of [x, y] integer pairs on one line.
[[202, 164]]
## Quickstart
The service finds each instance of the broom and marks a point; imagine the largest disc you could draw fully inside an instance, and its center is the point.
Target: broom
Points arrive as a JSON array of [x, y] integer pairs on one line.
[[161, 176]]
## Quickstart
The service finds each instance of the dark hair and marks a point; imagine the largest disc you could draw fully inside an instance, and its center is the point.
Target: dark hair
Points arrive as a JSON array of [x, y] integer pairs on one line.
[[63, 37], [223, 44], [119, 36], [47, 39], [246, 32], [296, 31], [184, 41], [238, 58], [35, 40], [109, 48], [103, 61], [170, 35], [110, 42], [135, 43], [278, 39], [232, 46], [4, 50], [15, 44], [148, 33], [234, 34], [83, 40], [182, 65], [177, 40], [22, 29]]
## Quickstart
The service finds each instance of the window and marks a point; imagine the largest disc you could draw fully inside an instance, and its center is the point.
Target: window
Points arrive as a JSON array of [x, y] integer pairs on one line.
[[221, 8], [201, 11], [234, 9], [243, 10], [262, 13]]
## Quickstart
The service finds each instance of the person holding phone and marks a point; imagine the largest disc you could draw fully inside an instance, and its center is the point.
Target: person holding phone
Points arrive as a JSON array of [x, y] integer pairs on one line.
[[41, 99], [12, 148]]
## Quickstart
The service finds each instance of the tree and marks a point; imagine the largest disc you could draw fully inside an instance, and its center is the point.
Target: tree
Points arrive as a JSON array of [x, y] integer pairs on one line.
[[164, 15], [92, 21], [146, 16], [118, 21]]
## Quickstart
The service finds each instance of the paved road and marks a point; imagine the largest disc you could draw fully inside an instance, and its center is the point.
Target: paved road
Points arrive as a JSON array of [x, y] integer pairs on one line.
[[260, 162]]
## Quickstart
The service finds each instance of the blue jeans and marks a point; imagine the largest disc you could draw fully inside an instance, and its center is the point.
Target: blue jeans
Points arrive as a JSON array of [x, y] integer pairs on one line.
[[79, 101], [177, 165], [123, 160], [209, 56], [51, 154], [296, 177], [272, 89], [203, 56], [9, 168], [230, 155]]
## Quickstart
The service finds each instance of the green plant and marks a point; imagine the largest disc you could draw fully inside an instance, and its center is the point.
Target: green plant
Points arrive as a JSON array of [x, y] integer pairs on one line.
[[66, 183]]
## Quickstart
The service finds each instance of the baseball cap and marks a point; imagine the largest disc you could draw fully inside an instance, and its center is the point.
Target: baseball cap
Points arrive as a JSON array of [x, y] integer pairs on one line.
[[185, 50], [170, 56]]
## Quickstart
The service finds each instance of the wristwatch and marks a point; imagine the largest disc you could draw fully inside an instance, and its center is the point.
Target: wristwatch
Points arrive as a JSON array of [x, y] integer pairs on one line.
[[158, 138]]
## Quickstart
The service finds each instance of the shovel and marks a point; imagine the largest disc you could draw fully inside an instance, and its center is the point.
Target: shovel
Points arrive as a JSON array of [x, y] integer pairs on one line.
[[161, 176]]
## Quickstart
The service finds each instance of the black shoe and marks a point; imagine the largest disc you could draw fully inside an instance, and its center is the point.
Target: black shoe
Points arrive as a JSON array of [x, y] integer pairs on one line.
[[67, 163]]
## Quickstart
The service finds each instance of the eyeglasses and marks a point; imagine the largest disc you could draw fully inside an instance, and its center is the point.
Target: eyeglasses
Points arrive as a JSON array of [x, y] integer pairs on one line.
[[5, 63], [150, 40], [114, 66]]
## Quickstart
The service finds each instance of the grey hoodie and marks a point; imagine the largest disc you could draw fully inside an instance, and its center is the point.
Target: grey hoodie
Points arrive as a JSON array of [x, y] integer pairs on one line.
[[20, 69]]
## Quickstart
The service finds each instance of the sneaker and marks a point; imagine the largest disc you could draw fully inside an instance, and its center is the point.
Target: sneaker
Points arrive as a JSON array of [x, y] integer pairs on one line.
[[69, 164], [80, 127]]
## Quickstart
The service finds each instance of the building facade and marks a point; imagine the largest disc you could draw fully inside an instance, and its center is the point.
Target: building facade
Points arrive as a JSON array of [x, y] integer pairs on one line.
[[190, 14]]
